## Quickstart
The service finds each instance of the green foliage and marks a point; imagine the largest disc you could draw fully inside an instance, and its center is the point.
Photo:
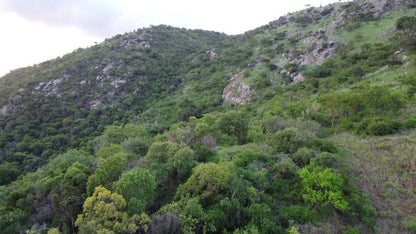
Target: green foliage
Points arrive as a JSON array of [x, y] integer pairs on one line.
[[248, 229], [383, 126], [299, 214], [108, 171], [117, 134], [149, 105], [303, 156], [207, 180], [286, 141], [170, 160], [136, 145], [105, 212], [351, 230], [109, 151], [233, 124], [137, 186], [406, 23], [323, 187], [8, 173], [53, 193], [409, 225], [261, 216], [241, 155]]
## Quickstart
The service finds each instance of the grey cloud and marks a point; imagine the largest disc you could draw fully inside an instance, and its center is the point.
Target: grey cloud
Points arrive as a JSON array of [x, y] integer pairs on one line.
[[95, 17]]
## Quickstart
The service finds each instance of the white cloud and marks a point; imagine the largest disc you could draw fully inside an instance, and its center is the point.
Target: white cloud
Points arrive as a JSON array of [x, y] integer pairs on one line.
[[24, 43]]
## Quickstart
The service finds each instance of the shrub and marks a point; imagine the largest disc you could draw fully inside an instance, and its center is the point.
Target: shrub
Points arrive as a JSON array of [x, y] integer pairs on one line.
[[323, 186], [326, 159], [138, 187], [409, 225], [406, 23], [302, 156], [300, 214], [135, 145], [202, 153], [351, 230], [286, 141], [383, 126], [411, 122], [322, 145]]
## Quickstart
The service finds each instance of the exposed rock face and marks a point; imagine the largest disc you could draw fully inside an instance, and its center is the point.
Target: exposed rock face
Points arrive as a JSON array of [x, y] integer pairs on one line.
[[237, 92], [95, 104], [13, 104], [382, 6], [211, 53], [4, 111], [318, 49], [298, 78], [51, 87]]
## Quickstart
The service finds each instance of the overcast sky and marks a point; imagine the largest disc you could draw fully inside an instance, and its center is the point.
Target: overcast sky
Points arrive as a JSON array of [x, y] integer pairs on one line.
[[37, 30]]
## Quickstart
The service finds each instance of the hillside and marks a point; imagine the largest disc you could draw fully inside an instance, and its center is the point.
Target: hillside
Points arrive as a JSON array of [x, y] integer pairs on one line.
[[303, 125]]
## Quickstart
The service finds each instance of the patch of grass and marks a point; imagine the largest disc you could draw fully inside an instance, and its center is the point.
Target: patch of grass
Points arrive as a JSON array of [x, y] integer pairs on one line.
[[384, 167]]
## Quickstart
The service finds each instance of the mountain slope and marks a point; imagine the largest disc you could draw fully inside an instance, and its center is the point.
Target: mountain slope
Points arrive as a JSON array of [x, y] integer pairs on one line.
[[260, 132], [55, 105]]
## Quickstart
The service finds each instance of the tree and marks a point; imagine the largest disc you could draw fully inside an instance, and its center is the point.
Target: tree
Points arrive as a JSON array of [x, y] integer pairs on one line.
[[138, 187], [104, 212], [117, 134], [382, 100], [233, 123], [54, 193], [136, 145], [323, 186], [207, 180], [287, 140], [170, 160], [406, 23], [109, 151], [335, 104], [182, 162], [108, 171], [8, 172]]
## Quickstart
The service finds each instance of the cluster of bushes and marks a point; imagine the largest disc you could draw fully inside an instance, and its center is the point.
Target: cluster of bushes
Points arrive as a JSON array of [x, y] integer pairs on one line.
[[368, 111], [206, 175]]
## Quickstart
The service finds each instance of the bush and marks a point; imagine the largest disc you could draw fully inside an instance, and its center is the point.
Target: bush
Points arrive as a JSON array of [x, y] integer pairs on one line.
[[137, 186], [326, 159], [135, 145], [406, 23], [286, 141], [322, 145], [351, 230], [383, 126], [202, 153], [409, 225], [302, 156], [411, 122], [300, 214]]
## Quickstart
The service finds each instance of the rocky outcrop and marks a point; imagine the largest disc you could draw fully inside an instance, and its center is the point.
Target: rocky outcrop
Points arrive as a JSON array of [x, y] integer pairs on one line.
[[211, 53], [237, 92], [317, 49], [4, 111], [51, 87], [13, 104]]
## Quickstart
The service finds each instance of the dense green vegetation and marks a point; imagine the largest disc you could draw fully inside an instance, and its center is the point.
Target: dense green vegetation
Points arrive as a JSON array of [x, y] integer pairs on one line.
[[135, 135]]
